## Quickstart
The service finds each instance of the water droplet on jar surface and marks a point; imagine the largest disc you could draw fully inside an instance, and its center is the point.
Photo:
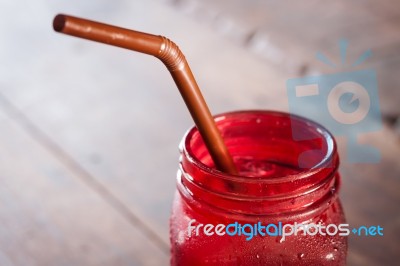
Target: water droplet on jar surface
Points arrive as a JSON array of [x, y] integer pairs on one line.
[[330, 257], [258, 256], [300, 256], [280, 239]]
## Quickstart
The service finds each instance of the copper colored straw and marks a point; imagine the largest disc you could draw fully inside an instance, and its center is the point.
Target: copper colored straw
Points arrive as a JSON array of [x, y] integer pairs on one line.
[[169, 53]]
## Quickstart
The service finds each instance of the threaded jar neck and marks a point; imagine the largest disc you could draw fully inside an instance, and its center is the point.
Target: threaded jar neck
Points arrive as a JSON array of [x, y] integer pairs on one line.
[[278, 174]]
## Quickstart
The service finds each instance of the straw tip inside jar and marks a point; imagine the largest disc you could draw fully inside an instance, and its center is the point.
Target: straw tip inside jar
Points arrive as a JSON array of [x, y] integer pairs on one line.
[[59, 22]]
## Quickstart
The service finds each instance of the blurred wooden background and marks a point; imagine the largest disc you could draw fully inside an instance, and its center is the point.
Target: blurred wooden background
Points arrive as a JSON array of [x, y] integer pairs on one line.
[[89, 133]]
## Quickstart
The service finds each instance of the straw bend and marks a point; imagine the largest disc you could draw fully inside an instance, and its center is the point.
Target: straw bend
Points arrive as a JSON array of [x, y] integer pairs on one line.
[[170, 54]]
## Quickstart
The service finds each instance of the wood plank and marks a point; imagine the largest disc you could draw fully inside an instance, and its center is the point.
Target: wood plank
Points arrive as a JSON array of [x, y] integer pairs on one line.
[[288, 35], [370, 195], [119, 116], [49, 216]]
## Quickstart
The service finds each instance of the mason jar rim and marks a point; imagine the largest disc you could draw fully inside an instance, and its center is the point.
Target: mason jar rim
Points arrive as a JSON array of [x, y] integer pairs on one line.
[[326, 161]]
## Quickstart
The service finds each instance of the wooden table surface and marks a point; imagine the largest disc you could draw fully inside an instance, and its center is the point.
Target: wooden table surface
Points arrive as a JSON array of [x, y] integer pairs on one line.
[[89, 133]]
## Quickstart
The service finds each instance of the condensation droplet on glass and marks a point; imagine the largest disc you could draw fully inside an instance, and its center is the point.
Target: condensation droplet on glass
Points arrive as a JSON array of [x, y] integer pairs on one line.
[[258, 256], [181, 238], [330, 257], [300, 255], [280, 239]]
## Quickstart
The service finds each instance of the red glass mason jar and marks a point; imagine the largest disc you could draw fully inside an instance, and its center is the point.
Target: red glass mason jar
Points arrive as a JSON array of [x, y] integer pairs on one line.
[[216, 217]]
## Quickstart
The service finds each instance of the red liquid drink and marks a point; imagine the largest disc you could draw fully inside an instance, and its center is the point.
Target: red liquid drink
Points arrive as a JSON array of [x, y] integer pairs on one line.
[[282, 182]]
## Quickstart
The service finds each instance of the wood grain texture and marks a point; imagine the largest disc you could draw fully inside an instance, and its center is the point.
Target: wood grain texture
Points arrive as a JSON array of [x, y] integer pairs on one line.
[[48, 216], [288, 34], [94, 129]]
